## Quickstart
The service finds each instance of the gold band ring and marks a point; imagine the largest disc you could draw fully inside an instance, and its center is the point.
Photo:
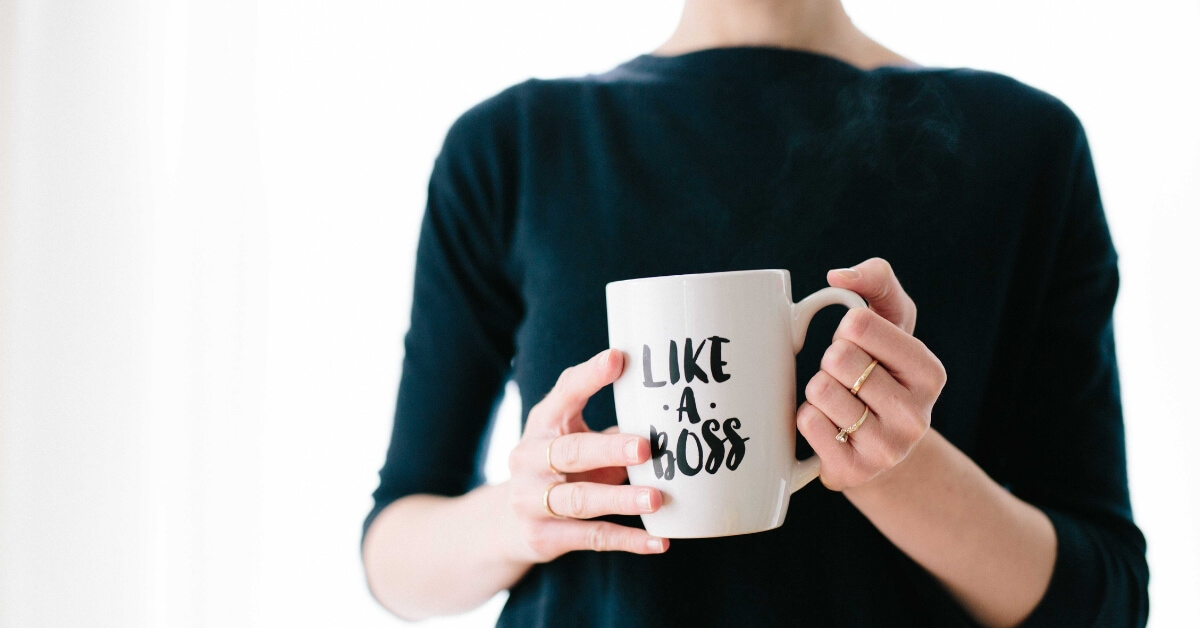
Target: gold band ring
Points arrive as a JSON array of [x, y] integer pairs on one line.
[[550, 464], [862, 379], [546, 501], [841, 437]]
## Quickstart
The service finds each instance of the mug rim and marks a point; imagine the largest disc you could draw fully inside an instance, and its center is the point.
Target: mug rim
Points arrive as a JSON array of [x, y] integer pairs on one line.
[[716, 275]]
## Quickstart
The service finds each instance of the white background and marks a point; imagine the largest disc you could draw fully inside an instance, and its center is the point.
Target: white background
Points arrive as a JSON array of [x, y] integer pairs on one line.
[[208, 214]]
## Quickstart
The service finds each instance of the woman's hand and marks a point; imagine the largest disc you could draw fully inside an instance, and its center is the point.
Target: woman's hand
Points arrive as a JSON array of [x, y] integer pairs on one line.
[[900, 391], [589, 479]]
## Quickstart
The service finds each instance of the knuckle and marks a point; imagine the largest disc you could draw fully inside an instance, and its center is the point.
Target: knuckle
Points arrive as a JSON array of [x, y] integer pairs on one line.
[[535, 418], [514, 502], [802, 422], [939, 372], [564, 379], [623, 501], [598, 538], [538, 540], [856, 323], [615, 451], [810, 389], [934, 371], [817, 387], [838, 356], [893, 453], [619, 539], [881, 265], [540, 417], [515, 458], [919, 427], [569, 451], [811, 427], [627, 540], [803, 418], [911, 425], [577, 501]]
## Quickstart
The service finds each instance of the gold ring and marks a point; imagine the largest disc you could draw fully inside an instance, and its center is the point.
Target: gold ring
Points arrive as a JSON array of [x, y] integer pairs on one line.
[[841, 437], [862, 379], [551, 464], [546, 501]]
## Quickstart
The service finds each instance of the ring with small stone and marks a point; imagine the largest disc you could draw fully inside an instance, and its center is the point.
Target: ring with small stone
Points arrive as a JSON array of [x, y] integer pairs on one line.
[[844, 435]]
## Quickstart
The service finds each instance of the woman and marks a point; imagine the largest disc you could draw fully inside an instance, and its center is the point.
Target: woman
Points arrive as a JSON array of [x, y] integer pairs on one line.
[[771, 134]]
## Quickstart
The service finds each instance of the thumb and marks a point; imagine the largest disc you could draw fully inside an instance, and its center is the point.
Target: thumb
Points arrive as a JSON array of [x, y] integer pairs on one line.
[[875, 282]]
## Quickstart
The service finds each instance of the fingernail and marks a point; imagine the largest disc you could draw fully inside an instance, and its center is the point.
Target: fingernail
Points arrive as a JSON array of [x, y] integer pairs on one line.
[[606, 361], [643, 500], [631, 450], [654, 545], [847, 273]]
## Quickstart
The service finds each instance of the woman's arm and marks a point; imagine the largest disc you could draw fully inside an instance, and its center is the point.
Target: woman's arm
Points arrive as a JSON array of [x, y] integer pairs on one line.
[[426, 555], [992, 551], [1046, 535], [429, 555], [1068, 556]]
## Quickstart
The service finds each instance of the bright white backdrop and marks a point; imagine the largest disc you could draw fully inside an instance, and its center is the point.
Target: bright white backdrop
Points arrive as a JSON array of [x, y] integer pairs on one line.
[[208, 214]]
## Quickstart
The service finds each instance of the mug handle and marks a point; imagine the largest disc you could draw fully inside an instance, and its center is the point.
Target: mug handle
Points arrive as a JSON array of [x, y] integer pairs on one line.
[[808, 469]]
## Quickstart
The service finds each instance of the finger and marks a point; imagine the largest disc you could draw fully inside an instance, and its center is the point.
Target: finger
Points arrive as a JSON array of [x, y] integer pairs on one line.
[[603, 536], [603, 475], [584, 500], [873, 441], [842, 464], [578, 383], [831, 397], [893, 408], [846, 362], [908, 360], [819, 431], [875, 281], [584, 451]]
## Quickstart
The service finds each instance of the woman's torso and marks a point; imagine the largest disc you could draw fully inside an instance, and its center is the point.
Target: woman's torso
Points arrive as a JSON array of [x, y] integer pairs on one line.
[[763, 158]]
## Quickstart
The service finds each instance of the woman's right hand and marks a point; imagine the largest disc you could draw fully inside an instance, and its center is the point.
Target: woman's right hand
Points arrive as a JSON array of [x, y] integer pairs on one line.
[[591, 474]]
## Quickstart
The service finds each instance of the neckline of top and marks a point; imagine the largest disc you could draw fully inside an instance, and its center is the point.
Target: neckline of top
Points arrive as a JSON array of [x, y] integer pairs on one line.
[[745, 61]]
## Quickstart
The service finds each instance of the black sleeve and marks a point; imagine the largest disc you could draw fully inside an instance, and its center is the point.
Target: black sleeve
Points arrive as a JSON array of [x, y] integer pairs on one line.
[[1066, 443], [465, 309]]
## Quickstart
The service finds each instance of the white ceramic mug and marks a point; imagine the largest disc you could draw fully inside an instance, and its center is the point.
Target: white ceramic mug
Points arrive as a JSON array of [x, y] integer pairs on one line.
[[710, 379]]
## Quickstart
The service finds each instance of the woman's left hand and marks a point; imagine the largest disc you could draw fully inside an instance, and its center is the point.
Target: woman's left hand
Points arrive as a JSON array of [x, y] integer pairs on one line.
[[900, 391]]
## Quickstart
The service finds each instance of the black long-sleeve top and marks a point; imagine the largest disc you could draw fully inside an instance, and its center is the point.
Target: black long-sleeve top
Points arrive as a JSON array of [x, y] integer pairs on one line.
[[979, 190]]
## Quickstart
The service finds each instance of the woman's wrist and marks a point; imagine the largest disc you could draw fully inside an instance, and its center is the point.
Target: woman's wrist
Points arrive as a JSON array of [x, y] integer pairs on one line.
[[505, 531]]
